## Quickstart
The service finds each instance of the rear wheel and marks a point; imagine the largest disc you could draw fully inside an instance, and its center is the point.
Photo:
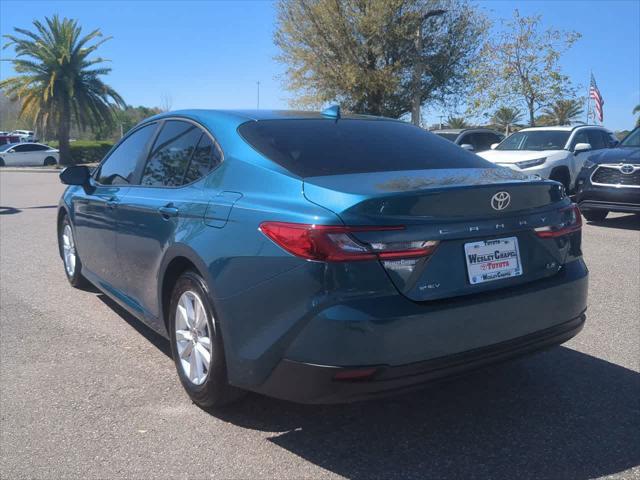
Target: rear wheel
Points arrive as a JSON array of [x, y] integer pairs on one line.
[[1, 162], [595, 215], [49, 161], [70, 258], [196, 344]]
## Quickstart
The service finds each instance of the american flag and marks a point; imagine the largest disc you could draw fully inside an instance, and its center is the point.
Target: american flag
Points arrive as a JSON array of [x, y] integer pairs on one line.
[[598, 100]]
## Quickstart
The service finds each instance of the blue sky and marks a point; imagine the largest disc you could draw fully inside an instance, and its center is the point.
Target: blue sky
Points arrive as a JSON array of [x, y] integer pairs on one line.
[[211, 54]]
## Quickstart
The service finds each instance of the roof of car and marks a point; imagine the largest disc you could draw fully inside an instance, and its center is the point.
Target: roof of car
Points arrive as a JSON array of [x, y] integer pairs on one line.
[[242, 116], [560, 128], [460, 130]]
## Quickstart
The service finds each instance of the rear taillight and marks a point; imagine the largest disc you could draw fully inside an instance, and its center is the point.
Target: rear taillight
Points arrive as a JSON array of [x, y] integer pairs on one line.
[[333, 243], [571, 221]]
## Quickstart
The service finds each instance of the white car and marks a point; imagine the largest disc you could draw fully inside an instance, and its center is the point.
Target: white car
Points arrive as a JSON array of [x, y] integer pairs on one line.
[[25, 135], [27, 154], [557, 153]]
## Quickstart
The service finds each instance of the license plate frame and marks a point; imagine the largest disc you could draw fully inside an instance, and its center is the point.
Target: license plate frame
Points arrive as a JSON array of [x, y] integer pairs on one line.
[[495, 259]]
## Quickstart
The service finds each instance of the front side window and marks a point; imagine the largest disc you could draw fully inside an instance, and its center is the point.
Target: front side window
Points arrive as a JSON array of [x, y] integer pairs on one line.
[[595, 139], [538, 140], [170, 155], [23, 148], [119, 168]]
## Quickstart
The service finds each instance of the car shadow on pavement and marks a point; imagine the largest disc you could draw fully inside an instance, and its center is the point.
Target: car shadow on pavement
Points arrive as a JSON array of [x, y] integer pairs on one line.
[[627, 222], [558, 414], [153, 337], [8, 210]]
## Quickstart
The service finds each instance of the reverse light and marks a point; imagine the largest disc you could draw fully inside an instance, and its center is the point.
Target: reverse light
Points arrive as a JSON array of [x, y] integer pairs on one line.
[[531, 163], [334, 243], [571, 222]]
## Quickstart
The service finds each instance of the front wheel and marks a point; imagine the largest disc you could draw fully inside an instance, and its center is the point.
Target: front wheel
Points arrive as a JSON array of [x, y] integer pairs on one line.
[[595, 215], [196, 344], [70, 258]]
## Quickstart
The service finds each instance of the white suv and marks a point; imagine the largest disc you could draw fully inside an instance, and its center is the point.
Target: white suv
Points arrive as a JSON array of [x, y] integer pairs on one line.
[[557, 153]]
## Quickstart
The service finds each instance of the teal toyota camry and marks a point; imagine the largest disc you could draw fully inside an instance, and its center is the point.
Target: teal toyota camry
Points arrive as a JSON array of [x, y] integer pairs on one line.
[[321, 257]]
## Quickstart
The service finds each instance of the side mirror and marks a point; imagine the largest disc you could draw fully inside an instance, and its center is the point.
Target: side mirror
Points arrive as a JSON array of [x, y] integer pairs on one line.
[[494, 145], [467, 147], [76, 175], [582, 147], [13, 150]]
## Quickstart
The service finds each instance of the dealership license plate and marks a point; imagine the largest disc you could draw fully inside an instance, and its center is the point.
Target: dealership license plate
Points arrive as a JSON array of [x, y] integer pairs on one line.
[[490, 260]]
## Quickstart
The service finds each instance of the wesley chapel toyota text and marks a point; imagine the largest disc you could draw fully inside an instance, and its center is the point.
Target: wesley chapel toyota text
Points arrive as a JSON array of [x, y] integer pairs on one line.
[[319, 257]]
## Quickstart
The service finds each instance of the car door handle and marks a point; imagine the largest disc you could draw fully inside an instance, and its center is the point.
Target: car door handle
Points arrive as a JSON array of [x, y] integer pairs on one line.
[[168, 212]]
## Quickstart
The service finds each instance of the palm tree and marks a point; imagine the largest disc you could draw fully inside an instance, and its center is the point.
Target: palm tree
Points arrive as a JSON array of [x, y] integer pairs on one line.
[[636, 109], [564, 112], [457, 122], [57, 82], [506, 117]]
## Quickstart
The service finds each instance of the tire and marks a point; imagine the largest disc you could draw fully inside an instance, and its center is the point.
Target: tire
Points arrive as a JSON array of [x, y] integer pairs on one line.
[[562, 177], [49, 161], [1, 162], [73, 271], [595, 215], [207, 386]]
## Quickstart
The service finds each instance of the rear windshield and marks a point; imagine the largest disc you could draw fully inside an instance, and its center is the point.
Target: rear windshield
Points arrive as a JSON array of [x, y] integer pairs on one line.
[[318, 147]]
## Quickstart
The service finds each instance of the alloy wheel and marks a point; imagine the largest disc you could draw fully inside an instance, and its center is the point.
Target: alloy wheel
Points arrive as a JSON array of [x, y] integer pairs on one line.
[[193, 338], [69, 250]]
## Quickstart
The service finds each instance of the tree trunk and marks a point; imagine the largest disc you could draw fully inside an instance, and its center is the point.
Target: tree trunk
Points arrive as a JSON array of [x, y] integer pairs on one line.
[[64, 128], [532, 118]]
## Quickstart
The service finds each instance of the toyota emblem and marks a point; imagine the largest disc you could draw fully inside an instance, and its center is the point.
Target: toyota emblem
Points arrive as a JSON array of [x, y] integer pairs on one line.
[[627, 169], [500, 200]]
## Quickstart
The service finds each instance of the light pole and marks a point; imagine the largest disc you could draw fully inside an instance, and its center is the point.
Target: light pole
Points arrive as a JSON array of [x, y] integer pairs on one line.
[[417, 73], [258, 102]]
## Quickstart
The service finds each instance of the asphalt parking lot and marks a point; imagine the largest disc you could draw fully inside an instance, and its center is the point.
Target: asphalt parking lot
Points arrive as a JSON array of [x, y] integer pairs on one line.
[[86, 391]]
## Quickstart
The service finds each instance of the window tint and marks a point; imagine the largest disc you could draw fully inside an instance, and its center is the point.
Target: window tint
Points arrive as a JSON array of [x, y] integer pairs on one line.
[[580, 137], [481, 141], [120, 166], [536, 140], [315, 147], [632, 140], [170, 155], [448, 136], [205, 158], [595, 139], [24, 148]]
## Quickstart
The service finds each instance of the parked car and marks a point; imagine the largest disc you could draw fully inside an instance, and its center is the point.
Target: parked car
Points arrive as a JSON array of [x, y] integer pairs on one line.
[[27, 154], [472, 139], [4, 139], [557, 153], [610, 180], [322, 258], [24, 135]]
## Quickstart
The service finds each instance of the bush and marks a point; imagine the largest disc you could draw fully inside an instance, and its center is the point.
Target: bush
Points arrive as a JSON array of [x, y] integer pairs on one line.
[[87, 151]]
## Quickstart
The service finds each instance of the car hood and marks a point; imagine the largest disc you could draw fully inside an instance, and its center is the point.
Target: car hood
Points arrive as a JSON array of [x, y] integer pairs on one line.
[[513, 156], [617, 155]]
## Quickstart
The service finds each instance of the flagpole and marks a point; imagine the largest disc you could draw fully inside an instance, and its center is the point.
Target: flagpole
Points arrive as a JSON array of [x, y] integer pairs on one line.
[[589, 97]]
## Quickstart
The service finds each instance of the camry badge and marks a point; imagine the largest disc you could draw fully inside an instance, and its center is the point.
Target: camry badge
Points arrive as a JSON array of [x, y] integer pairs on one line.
[[500, 200], [627, 169]]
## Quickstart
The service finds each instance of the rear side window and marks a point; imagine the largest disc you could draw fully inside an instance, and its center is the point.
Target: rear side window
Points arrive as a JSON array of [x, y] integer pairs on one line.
[[170, 155], [205, 158], [119, 168], [317, 147]]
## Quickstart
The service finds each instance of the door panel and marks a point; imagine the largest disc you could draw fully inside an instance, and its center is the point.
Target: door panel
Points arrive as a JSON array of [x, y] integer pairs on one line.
[[95, 223], [149, 221]]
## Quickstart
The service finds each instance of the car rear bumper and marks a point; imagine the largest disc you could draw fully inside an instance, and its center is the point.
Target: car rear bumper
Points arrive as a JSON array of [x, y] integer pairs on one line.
[[309, 383], [410, 343]]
